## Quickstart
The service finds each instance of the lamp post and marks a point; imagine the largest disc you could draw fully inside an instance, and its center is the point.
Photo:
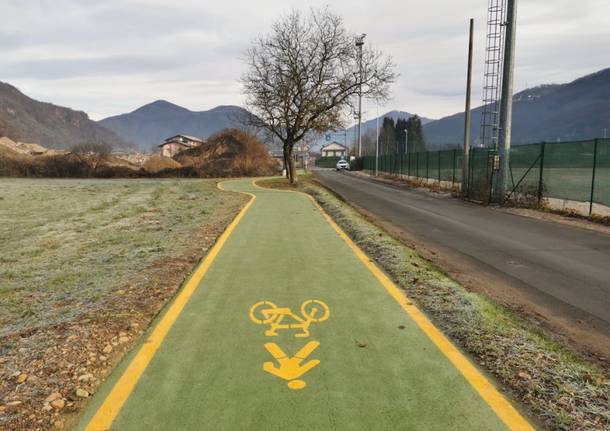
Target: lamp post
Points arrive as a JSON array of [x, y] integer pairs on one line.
[[359, 45], [406, 141]]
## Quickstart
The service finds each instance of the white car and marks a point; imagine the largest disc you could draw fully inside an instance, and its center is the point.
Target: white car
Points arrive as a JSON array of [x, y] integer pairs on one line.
[[342, 165]]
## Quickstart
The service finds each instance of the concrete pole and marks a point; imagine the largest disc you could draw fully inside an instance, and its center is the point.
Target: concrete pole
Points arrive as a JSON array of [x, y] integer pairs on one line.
[[468, 114], [377, 146], [360, 108], [506, 110], [360, 44]]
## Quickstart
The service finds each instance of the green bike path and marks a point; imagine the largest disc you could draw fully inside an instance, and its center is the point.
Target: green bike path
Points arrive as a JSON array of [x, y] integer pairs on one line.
[[368, 366]]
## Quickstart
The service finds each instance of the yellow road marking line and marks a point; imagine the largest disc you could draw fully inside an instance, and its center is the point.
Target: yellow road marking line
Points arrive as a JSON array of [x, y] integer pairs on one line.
[[114, 401], [498, 403]]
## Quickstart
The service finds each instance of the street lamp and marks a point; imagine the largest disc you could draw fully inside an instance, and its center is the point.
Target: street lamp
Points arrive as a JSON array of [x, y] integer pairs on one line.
[[359, 45]]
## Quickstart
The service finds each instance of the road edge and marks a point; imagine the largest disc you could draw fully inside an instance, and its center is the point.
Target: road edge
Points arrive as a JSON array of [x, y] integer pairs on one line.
[[113, 402], [507, 413]]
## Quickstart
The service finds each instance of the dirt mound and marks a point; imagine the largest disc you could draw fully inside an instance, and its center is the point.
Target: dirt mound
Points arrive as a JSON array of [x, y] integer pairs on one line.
[[9, 147], [158, 163], [230, 153]]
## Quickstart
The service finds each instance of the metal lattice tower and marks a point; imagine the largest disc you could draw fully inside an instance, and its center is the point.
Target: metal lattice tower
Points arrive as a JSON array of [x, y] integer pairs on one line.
[[492, 88]]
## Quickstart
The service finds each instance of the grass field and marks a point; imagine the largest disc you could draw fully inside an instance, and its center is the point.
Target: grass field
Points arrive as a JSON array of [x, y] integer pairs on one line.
[[84, 267], [67, 244]]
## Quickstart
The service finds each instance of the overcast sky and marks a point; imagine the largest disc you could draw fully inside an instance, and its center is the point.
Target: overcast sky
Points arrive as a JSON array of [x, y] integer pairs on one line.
[[108, 57]]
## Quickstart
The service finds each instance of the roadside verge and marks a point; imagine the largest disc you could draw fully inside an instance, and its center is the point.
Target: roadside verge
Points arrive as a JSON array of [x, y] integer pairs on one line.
[[557, 387]]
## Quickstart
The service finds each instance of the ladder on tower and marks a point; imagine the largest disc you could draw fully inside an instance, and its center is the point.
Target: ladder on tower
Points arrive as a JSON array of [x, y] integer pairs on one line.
[[492, 87]]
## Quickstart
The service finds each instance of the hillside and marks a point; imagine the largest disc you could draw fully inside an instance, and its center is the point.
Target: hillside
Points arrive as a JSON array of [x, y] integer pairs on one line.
[[151, 124], [24, 119], [573, 111]]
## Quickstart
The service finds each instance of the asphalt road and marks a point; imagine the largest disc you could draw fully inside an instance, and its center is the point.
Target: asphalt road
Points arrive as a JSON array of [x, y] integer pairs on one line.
[[562, 268]]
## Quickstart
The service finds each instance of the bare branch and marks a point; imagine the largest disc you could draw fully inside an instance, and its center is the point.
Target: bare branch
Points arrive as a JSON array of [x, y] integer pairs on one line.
[[302, 76]]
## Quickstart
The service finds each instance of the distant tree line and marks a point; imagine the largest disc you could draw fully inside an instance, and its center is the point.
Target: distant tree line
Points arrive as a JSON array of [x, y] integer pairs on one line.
[[392, 137]]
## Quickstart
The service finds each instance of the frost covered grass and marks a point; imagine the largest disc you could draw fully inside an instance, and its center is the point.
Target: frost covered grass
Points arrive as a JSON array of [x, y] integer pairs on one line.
[[68, 244]]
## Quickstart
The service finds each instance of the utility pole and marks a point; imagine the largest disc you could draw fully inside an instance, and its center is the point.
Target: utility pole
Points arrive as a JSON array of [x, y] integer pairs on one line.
[[468, 114], [506, 111], [360, 44]]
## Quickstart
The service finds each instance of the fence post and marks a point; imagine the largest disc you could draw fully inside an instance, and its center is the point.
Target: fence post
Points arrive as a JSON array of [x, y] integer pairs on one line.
[[397, 164], [470, 157], [417, 165], [593, 179], [454, 167], [400, 165], [427, 166], [439, 167], [541, 172]]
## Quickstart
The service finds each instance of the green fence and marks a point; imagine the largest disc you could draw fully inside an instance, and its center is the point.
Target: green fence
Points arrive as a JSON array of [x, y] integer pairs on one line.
[[575, 171], [436, 165], [327, 162]]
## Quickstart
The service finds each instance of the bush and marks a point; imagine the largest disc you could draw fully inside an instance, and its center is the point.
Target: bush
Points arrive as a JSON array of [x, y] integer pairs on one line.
[[229, 153], [157, 163]]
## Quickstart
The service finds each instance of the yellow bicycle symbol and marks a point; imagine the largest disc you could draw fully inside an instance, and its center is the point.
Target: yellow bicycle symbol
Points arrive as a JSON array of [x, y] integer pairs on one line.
[[266, 312]]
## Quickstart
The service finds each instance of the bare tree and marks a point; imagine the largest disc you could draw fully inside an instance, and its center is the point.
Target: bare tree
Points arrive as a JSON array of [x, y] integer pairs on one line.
[[302, 76], [92, 154]]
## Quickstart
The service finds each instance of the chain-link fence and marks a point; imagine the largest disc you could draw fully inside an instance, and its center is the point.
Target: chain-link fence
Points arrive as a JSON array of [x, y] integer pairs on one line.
[[576, 172]]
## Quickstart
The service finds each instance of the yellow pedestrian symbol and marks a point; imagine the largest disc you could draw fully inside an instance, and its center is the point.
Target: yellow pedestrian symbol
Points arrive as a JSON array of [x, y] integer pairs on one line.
[[290, 369], [283, 318], [266, 312]]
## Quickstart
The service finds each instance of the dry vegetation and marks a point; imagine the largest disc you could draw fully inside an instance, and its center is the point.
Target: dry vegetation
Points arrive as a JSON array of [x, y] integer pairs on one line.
[[85, 265], [230, 153], [156, 163]]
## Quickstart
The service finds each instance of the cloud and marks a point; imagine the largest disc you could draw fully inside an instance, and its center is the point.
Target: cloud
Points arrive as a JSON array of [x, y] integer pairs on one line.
[[111, 56], [95, 67]]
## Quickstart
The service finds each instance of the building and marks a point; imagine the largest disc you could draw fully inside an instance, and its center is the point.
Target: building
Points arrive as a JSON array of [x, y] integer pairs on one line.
[[301, 155], [334, 149], [175, 144], [278, 155]]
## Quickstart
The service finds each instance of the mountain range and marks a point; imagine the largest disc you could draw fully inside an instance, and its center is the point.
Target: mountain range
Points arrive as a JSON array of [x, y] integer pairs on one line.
[[149, 125], [575, 111], [23, 119]]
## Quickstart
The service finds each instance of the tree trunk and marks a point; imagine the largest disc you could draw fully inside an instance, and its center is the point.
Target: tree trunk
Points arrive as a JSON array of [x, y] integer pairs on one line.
[[286, 167], [292, 170]]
